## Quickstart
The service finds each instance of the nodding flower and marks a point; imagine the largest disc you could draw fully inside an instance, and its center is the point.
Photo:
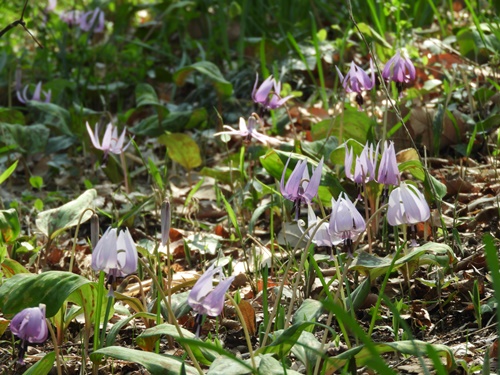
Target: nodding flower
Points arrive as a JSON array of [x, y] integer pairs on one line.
[[407, 205], [346, 223], [92, 20], [299, 188], [388, 171], [110, 142], [364, 169], [357, 80], [30, 326], [399, 69], [248, 131], [115, 254], [268, 93], [37, 94], [204, 299]]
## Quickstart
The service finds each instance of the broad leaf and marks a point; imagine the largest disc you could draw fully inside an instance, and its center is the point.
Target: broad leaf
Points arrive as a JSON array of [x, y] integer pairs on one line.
[[29, 139], [264, 363], [211, 71], [43, 366], [286, 340], [51, 288], [182, 149], [9, 225], [54, 221], [5, 174], [352, 124], [156, 364], [145, 94]]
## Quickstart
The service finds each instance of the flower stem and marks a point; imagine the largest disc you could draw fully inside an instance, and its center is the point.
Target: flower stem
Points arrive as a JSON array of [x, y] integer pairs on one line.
[[105, 322], [98, 308], [245, 330]]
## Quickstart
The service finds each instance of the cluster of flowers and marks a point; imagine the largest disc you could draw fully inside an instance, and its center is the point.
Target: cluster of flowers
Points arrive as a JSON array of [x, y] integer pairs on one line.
[[116, 255], [407, 205], [399, 69], [86, 21]]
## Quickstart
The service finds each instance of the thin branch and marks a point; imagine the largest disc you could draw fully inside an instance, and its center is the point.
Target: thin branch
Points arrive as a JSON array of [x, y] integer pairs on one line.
[[21, 22]]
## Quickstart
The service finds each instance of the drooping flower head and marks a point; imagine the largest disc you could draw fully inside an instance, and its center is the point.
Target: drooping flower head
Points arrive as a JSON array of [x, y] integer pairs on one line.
[[110, 142], [364, 169], [115, 254], [268, 93], [346, 223], [388, 171], [399, 69], [37, 94], [204, 299], [249, 131], [71, 17], [357, 80], [407, 205], [92, 20], [299, 188], [30, 326]]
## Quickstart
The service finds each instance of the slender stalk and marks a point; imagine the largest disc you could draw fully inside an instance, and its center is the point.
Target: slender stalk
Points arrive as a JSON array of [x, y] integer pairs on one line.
[[245, 331], [56, 347], [125, 172], [105, 322], [171, 314], [73, 248], [98, 308]]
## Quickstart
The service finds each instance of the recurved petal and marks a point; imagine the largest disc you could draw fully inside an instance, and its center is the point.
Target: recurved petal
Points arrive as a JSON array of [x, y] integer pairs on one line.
[[94, 136], [312, 187], [214, 302], [202, 287]]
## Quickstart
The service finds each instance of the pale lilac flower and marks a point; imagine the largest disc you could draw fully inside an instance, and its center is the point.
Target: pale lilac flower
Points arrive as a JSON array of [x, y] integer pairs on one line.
[[299, 188], [115, 254], [407, 205], [51, 5], [399, 69], [388, 172], [92, 20], [346, 223], [357, 80], [268, 93], [110, 142], [248, 131], [204, 298], [71, 17], [364, 169], [37, 95], [30, 326], [322, 237]]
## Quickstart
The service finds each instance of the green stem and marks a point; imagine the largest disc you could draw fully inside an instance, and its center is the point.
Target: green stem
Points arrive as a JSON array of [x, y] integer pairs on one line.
[[105, 322]]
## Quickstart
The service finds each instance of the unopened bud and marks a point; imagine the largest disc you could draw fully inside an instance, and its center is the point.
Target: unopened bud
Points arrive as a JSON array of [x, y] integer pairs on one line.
[[94, 230], [166, 217]]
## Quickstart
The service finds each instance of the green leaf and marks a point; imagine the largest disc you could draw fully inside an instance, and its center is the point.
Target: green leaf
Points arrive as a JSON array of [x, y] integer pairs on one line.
[[29, 139], [363, 355], [5, 174], [211, 71], [51, 114], [182, 149], [87, 297], [375, 266], [309, 311], [43, 366], [156, 364], [202, 354], [9, 225], [54, 221], [223, 174], [145, 94], [111, 336], [286, 340], [51, 288], [355, 124], [265, 364], [232, 217], [36, 182]]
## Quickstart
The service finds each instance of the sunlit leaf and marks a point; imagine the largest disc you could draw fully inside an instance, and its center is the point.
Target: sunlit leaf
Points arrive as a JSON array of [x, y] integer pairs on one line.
[[54, 221], [182, 149], [9, 225], [51, 288], [211, 71], [5, 174], [43, 366]]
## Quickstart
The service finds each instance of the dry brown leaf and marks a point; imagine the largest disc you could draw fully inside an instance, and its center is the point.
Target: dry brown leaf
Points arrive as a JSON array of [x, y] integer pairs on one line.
[[248, 313]]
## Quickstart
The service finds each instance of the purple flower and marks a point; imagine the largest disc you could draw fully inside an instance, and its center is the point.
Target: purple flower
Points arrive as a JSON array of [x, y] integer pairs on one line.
[[93, 19], [247, 132], [30, 326], [364, 170], [204, 298], [357, 80], [37, 95], [71, 17], [51, 5], [399, 69], [299, 188], [407, 205], [266, 96], [115, 254], [388, 172], [110, 142], [322, 236], [346, 223]]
